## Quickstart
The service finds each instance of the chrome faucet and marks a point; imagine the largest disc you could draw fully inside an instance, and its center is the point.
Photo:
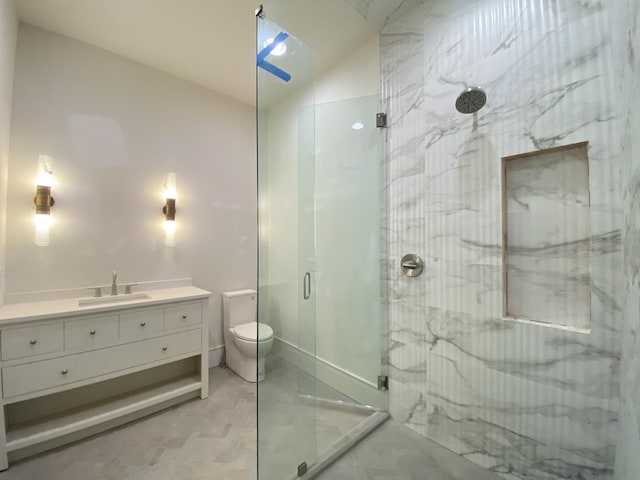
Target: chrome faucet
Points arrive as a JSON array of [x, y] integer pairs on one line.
[[114, 285]]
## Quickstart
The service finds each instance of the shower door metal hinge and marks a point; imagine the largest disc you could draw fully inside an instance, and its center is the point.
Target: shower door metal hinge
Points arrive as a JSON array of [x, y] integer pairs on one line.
[[381, 120], [383, 382], [302, 469]]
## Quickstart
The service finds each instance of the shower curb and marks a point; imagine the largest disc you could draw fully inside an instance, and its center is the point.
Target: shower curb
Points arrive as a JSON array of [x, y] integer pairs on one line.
[[342, 446]]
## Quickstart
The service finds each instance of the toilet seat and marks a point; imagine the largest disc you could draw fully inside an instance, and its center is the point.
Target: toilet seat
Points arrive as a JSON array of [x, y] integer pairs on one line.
[[253, 331]]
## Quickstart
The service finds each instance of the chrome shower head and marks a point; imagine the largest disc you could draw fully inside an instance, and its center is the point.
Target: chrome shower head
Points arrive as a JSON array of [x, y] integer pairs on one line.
[[471, 100]]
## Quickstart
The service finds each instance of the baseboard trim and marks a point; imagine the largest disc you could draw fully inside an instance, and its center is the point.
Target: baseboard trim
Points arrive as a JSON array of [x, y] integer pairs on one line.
[[353, 386], [215, 356]]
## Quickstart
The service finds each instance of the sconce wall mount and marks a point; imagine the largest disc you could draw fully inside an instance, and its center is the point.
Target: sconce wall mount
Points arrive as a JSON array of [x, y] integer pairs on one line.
[[43, 200], [169, 210]]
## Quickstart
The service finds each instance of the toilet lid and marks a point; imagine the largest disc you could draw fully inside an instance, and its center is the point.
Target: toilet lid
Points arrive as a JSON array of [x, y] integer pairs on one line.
[[249, 331]]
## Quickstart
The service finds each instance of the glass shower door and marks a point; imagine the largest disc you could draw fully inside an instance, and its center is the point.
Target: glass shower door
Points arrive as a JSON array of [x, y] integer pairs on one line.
[[350, 241], [286, 252]]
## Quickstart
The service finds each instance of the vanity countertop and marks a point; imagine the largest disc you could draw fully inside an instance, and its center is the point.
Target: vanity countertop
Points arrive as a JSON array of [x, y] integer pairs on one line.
[[25, 312]]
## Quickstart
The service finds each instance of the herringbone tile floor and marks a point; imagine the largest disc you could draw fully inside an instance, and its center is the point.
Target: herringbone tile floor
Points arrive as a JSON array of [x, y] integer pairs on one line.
[[216, 439], [213, 439]]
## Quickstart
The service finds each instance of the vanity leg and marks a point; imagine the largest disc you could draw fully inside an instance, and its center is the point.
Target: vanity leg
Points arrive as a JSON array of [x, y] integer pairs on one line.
[[204, 372], [4, 460], [204, 359]]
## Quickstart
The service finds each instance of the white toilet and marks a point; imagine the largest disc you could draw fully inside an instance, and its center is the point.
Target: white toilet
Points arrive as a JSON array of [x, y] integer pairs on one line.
[[246, 342]]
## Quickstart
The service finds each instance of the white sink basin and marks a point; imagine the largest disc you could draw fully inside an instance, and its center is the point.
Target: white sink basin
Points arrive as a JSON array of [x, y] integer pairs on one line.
[[123, 298]]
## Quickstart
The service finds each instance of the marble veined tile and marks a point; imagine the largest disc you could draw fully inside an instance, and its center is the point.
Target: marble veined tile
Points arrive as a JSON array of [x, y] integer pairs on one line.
[[507, 423], [571, 360], [469, 288], [380, 13], [627, 16], [524, 400], [548, 234], [548, 180]]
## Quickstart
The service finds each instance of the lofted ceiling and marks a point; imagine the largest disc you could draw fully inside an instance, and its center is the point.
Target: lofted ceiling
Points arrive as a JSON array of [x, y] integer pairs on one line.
[[208, 42]]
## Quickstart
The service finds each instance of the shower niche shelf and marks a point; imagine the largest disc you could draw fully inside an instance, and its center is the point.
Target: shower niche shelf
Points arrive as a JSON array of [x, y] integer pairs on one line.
[[546, 228]]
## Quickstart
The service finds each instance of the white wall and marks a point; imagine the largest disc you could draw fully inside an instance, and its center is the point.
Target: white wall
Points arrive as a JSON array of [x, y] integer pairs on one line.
[[278, 252], [8, 38], [356, 75], [115, 128]]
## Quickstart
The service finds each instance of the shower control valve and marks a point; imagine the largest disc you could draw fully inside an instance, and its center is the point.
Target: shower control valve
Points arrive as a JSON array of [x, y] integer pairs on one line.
[[412, 265]]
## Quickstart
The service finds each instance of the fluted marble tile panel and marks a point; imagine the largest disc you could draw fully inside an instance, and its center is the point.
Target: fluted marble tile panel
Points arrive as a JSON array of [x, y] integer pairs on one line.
[[379, 12], [627, 19], [524, 400]]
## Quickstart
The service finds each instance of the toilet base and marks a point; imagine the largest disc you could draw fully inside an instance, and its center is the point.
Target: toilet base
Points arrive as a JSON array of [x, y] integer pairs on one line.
[[250, 369]]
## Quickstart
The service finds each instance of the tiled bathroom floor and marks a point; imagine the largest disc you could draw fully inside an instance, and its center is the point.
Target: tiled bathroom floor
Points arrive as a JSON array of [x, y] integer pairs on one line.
[[197, 440], [216, 439], [395, 452]]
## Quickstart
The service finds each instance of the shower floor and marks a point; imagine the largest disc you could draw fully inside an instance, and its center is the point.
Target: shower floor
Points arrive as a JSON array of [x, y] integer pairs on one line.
[[396, 452], [299, 418]]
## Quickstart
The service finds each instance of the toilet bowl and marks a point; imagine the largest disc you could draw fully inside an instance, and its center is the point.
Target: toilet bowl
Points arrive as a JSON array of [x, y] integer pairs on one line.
[[246, 342]]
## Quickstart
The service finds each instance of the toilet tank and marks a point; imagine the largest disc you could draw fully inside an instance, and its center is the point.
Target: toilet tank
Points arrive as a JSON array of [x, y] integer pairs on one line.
[[238, 307]]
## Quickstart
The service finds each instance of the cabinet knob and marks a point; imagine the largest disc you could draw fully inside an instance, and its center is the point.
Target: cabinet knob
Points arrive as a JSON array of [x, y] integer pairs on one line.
[[64, 372], [33, 342], [142, 324], [184, 317], [164, 349], [92, 332]]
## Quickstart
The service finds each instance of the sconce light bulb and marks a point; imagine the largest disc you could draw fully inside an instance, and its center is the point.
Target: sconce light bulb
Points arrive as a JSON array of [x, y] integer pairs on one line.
[[170, 233], [43, 224], [44, 176], [170, 189], [169, 209], [43, 200]]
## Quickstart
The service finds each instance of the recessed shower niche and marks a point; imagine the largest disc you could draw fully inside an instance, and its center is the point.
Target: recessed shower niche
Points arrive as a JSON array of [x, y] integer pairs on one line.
[[546, 236]]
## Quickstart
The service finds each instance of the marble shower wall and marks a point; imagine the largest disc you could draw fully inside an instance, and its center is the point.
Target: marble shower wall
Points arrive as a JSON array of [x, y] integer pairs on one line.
[[627, 20], [525, 400]]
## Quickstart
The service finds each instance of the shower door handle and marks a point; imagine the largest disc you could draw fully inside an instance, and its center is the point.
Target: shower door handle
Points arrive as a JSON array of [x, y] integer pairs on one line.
[[306, 286]]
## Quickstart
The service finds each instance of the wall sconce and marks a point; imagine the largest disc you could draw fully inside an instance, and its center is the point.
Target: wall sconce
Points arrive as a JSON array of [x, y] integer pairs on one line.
[[169, 210], [43, 200]]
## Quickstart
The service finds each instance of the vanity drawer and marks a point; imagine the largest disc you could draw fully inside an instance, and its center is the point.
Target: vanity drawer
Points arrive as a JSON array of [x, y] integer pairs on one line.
[[91, 332], [28, 341], [58, 372], [141, 324], [182, 315]]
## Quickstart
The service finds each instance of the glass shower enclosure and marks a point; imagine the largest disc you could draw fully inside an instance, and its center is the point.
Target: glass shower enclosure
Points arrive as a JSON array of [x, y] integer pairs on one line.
[[320, 247], [516, 352]]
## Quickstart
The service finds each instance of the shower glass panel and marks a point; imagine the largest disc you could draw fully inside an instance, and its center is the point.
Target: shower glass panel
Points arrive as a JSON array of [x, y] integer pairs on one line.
[[285, 119], [348, 192], [320, 392], [320, 247]]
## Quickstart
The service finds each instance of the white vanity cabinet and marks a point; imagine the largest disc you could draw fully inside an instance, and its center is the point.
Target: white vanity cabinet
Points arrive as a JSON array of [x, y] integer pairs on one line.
[[74, 371]]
